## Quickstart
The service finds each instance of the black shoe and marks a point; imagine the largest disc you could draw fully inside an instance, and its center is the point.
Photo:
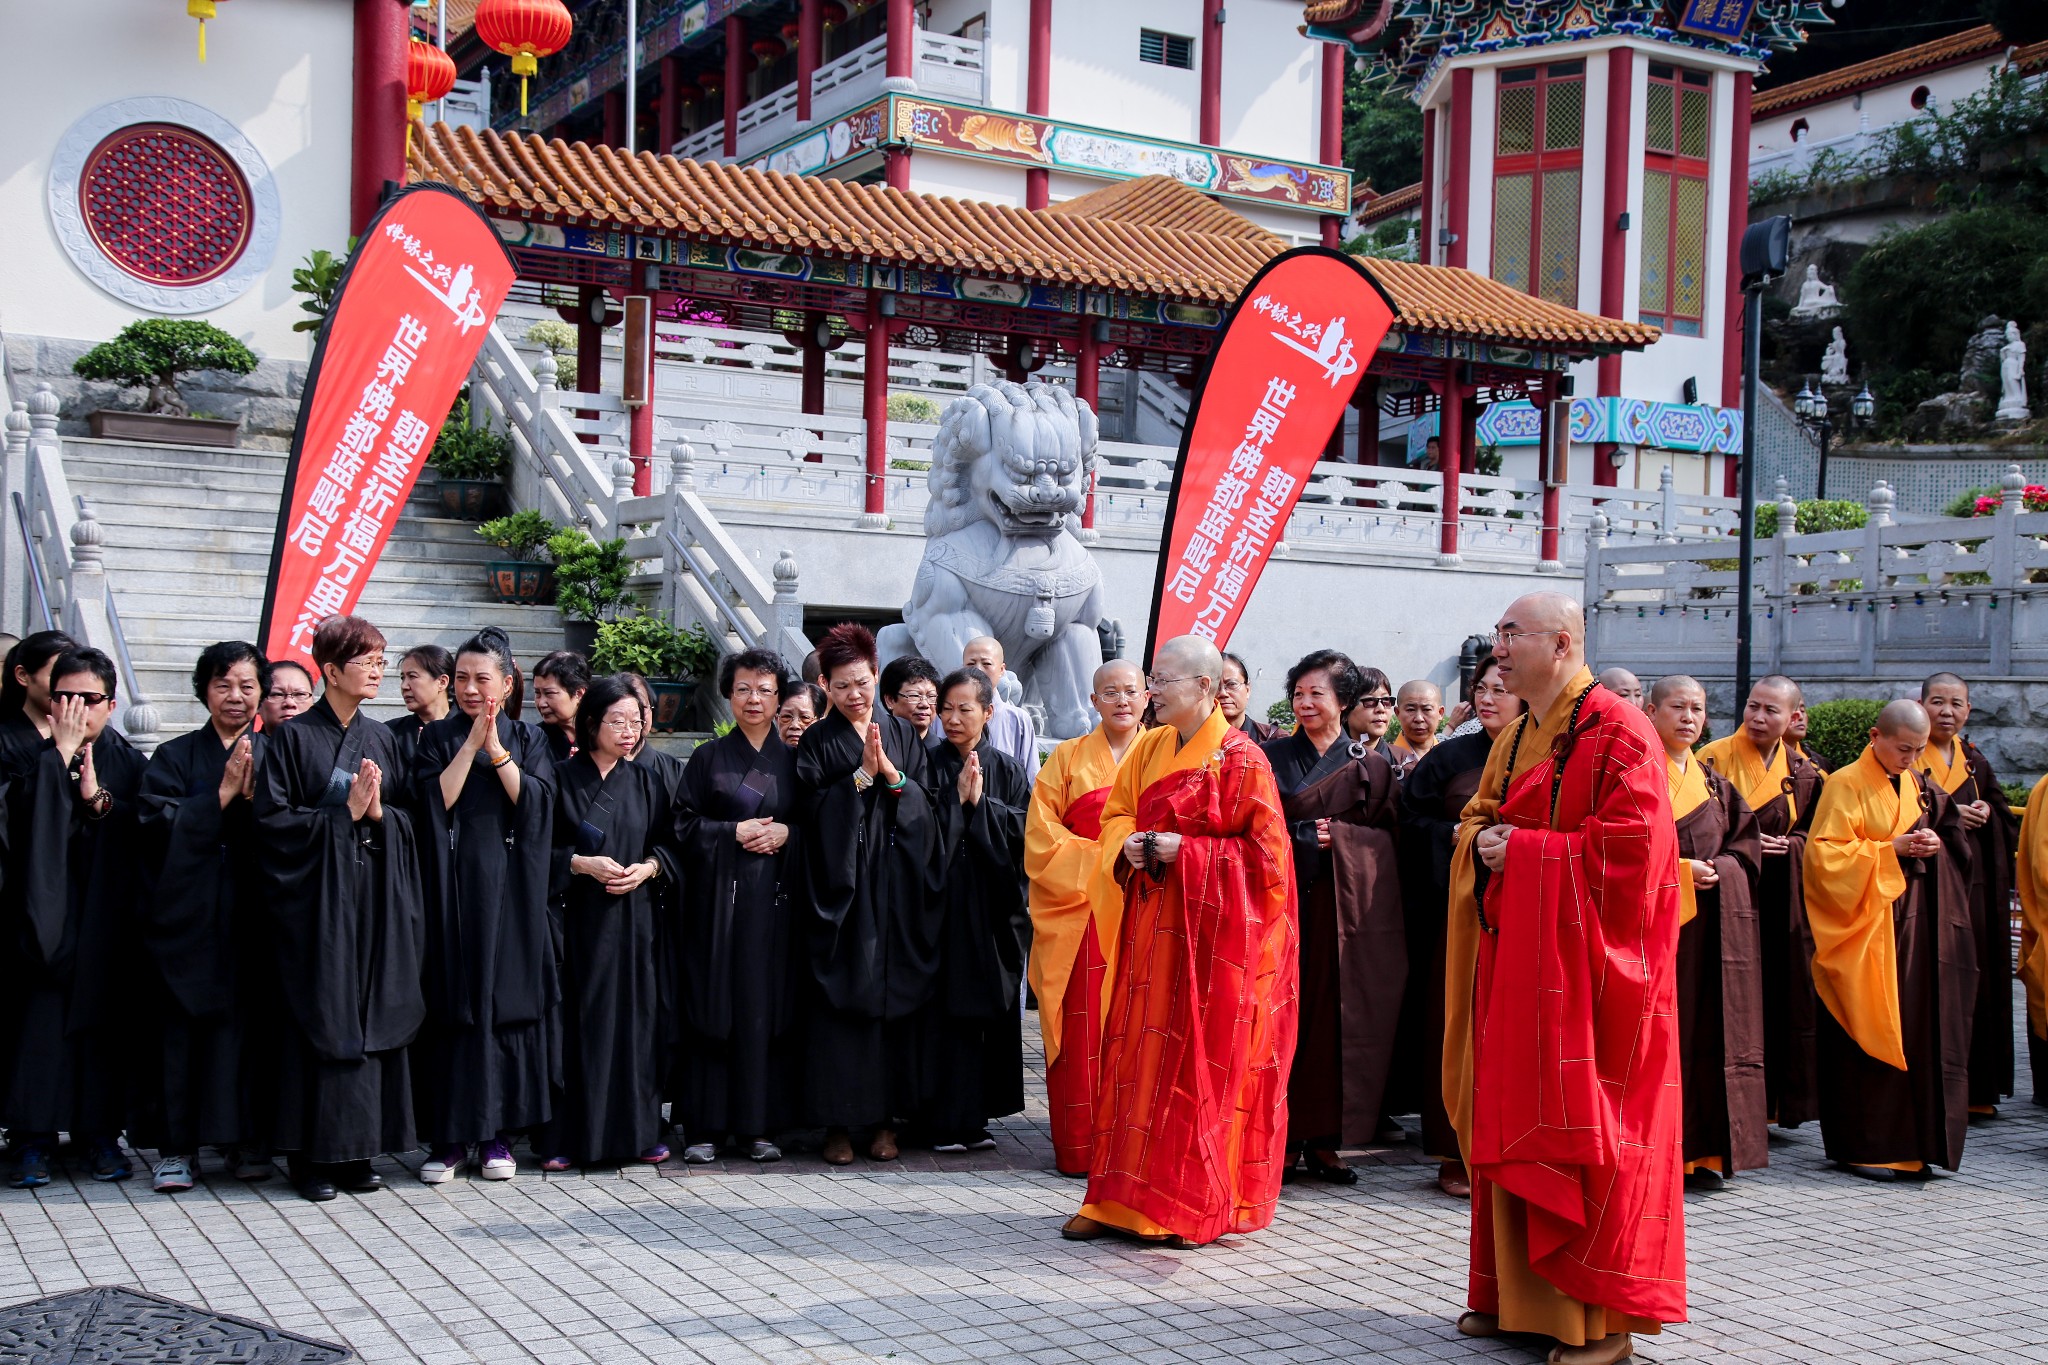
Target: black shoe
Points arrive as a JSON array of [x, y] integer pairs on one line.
[[1338, 1174], [357, 1178], [317, 1189]]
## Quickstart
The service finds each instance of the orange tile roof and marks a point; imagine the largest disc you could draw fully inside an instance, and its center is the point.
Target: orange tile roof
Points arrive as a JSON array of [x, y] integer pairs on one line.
[[461, 18], [1131, 242], [2032, 59], [1955, 48], [1383, 206]]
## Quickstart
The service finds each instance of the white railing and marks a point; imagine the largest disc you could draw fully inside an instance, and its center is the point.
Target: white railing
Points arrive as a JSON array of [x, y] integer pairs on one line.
[[64, 557], [706, 144], [554, 468], [1639, 516], [1967, 593]]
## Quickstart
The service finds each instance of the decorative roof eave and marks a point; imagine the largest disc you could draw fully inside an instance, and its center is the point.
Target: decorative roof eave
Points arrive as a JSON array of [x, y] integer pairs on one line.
[[1920, 59]]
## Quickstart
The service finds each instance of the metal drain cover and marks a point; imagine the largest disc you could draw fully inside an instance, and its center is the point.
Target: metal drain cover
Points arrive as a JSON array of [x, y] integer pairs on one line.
[[109, 1325]]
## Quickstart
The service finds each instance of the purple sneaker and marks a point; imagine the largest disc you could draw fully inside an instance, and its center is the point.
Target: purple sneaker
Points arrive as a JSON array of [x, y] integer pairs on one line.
[[444, 1164], [495, 1161]]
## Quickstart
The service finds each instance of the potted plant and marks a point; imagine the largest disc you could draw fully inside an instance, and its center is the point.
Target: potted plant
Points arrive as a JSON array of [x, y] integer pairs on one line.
[[558, 339], [468, 462], [526, 578], [590, 584], [151, 354], [673, 661]]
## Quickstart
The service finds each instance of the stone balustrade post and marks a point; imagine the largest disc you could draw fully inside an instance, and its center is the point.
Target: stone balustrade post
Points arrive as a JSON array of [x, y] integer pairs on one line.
[[1595, 590], [19, 612], [1875, 577], [2005, 574], [787, 610], [1667, 507]]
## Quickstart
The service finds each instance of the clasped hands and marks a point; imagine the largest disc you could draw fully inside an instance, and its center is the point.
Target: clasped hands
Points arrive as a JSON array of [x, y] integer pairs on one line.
[[1165, 848], [1918, 843], [760, 836], [874, 759], [1491, 847], [617, 879], [483, 735]]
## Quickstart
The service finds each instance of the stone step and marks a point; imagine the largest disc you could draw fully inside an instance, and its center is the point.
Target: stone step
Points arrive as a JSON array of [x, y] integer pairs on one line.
[[83, 452], [145, 527], [138, 553]]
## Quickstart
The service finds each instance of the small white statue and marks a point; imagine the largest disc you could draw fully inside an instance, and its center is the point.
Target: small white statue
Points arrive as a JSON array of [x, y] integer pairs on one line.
[[1834, 362], [1816, 297], [2012, 377]]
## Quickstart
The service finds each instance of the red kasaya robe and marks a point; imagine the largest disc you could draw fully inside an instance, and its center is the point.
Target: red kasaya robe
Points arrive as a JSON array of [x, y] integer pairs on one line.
[[1576, 1107], [1191, 1109]]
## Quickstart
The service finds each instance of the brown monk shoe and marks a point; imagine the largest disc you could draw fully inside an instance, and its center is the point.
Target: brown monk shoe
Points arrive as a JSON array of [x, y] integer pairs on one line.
[[838, 1150], [1479, 1325], [1609, 1350], [1082, 1228], [884, 1148], [1451, 1179]]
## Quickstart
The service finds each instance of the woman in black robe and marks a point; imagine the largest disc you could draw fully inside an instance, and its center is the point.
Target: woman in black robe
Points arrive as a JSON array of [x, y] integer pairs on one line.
[[869, 920], [973, 1033], [612, 847], [668, 910], [734, 1073], [1338, 797], [426, 676], [199, 914], [69, 969], [559, 681], [341, 887], [483, 790]]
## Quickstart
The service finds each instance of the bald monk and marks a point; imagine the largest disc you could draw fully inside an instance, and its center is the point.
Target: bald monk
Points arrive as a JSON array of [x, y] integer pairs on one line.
[[1720, 979], [1072, 934], [1959, 768], [2032, 877], [1571, 1119], [1010, 727], [1780, 787], [1418, 710], [1623, 684], [1894, 959], [1191, 1108]]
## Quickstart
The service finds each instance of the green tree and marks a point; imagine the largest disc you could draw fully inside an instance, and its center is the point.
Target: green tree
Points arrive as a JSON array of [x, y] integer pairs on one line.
[[1382, 134], [152, 354], [1917, 295]]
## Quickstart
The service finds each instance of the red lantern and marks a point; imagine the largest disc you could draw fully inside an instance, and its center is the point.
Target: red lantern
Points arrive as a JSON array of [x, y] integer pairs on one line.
[[833, 13], [789, 33], [767, 50], [429, 76], [524, 30], [202, 10], [712, 81], [688, 94]]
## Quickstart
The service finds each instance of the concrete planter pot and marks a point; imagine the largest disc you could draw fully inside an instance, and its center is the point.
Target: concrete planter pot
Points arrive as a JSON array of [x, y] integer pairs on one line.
[[522, 582], [671, 703], [156, 428], [471, 499]]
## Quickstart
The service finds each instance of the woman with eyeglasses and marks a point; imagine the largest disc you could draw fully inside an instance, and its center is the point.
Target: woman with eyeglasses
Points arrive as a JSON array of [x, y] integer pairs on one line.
[[734, 1070], [483, 787], [288, 691], [426, 681], [910, 689], [341, 883], [613, 845], [1432, 799], [802, 704], [1234, 696], [1338, 798], [71, 970], [200, 914], [1372, 715], [870, 925]]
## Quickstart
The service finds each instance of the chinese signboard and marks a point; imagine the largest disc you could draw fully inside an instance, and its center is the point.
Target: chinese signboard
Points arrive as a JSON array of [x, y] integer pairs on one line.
[[421, 288], [1723, 19]]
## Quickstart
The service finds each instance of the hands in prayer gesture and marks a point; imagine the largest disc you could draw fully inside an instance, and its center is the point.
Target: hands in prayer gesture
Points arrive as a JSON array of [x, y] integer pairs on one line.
[[366, 793], [483, 734], [971, 780], [874, 759], [239, 778]]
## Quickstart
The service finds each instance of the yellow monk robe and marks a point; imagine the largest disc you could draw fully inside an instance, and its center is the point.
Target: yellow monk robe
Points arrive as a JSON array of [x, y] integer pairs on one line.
[[1528, 1302], [1894, 963], [1688, 793], [1757, 782], [1073, 933], [2033, 889]]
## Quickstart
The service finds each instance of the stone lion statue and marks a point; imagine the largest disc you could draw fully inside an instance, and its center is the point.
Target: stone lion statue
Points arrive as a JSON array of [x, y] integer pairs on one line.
[[1011, 467]]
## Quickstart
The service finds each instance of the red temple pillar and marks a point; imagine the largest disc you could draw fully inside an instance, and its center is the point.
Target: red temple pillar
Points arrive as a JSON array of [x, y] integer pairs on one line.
[[736, 55], [1211, 45], [896, 168], [1737, 181], [1332, 152], [874, 407], [1458, 189], [902, 33], [382, 31], [1038, 96], [1451, 437], [1621, 75], [1425, 248], [810, 40], [1546, 470], [1088, 388], [668, 126], [614, 133]]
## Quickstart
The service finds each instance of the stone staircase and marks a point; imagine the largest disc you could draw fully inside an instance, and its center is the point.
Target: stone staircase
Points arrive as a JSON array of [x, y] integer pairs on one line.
[[187, 533]]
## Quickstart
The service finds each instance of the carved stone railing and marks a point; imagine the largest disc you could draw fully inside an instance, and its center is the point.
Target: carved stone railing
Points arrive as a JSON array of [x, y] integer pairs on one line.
[[564, 463]]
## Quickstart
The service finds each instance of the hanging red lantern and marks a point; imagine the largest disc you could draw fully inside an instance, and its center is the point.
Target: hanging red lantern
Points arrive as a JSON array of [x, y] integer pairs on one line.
[[790, 32], [833, 13], [689, 94], [711, 81], [429, 76], [767, 50], [525, 31], [202, 10]]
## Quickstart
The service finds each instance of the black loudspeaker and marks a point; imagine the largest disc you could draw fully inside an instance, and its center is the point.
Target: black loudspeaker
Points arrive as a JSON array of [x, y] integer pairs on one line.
[[1766, 248]]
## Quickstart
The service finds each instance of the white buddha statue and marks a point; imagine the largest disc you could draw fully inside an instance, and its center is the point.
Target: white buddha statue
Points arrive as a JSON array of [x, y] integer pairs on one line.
[[1834, 361], [1816, 296], [2012, 377]]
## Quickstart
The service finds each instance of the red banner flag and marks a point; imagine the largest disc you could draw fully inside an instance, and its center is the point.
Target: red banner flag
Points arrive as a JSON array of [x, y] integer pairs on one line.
[[1291, 356], [426, 278]]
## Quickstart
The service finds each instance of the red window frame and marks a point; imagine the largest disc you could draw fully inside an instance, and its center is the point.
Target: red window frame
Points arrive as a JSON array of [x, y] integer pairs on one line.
[[1680, 165], [1537, 163]]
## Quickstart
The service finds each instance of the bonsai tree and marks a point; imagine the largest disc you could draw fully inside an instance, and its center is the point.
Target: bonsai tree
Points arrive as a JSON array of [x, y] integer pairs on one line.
[[523, 535], [590, 578], [558, 338], [463, 451], [153, 352]]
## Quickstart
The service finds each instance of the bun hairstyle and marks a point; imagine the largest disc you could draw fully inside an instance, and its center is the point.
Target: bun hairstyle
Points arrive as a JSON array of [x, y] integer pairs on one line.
[[216, 660], [31, 654], [496, 645], [437, 661], [984, 690]]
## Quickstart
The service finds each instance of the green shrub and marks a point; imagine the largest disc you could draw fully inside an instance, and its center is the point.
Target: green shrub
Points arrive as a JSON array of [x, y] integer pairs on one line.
[[463, 451], [319, 279], [913, 407], [1815, 516], [552, 334], [1281, 713], [2016, 794], [1839, 730], [1917, 295], [1964, 504], [648, 645], [153, 352], [590, 579], [521, 534]]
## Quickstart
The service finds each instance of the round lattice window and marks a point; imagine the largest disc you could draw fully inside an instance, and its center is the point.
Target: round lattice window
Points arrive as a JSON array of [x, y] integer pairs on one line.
[[165, 204]]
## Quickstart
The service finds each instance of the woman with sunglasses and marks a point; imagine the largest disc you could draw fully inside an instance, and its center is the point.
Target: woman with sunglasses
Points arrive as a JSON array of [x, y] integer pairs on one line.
[[70, 973], [733, 827], [1372, 715], [483, 787], [340, 870], [612, 846]]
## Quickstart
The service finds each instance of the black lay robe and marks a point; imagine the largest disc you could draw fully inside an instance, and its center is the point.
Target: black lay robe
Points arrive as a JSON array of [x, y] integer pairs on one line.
[[869, 920], [971, 1049], [1354, 943], [1432, 799], [71, 965], [484, 1061], [609, 1105], [1720, 988], [343, 897], [406, 731], [667, 772], [200, 914]]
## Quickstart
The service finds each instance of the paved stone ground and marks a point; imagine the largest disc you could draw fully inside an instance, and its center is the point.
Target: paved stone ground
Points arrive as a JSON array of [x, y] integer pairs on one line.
[[959, 1259]]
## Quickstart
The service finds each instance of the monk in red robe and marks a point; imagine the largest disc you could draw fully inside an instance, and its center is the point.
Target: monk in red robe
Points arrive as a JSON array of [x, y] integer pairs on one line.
[[1191, 1109], [1577, 1198], [1073, 931]]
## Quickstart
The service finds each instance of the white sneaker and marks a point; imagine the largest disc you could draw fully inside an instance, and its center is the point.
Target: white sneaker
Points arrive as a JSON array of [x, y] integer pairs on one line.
[[497, 1162], [444, 1164], [172, 1175], [700, 1153]]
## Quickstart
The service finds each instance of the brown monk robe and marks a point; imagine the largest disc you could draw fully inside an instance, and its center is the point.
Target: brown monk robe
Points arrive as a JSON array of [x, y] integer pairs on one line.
[[1780, 786], [1338, 798], [2032, 874], [1895, 957], [1720, 979], [1959, 768]]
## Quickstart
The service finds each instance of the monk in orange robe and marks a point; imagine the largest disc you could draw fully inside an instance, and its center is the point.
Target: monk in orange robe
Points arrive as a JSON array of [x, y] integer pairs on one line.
[[1959, 768], [1191, 1108], [2032, 876], [1894, 958], [1720, 980], [1779, 785], [1574, 1109], [1072, 935]]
